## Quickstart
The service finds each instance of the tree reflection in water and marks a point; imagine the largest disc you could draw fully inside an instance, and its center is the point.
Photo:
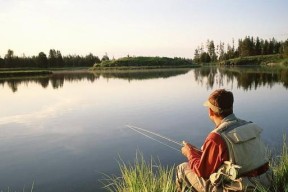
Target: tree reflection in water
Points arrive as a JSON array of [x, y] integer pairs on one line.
[[245, 77]]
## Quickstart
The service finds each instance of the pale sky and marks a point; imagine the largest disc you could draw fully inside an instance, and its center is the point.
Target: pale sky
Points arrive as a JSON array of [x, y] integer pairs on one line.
[[171, 28]]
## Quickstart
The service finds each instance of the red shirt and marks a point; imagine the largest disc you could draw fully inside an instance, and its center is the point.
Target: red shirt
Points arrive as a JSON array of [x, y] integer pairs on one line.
[[214, 153]]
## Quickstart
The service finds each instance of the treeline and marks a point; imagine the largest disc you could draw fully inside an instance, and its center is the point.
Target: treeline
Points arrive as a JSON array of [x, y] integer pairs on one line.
[[53, 60], [249, 46], [144, 61]]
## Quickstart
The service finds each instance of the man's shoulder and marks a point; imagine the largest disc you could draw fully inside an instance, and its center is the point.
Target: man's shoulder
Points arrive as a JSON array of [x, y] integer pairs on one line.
[[214, 136]]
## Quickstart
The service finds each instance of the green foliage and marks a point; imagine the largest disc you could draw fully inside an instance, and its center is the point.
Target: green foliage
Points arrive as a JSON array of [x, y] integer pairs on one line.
[[280, 169], [253, 60], [279, 166], [285, 48], [249, 46], [105, 58], [142, 176], [42, 60], [54, 60], [144, 61]]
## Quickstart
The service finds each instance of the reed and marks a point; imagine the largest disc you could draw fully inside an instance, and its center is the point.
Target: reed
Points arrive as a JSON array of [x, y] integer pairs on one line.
[[23, 190], [280, 169], [142, 176]]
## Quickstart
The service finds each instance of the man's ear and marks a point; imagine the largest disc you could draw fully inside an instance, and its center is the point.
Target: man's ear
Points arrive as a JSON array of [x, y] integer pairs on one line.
[[211, 113]]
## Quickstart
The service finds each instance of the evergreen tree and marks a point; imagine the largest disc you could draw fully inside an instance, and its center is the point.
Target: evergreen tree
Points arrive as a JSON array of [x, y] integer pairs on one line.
[[285, 47], [105, 57], [59, 59], [2, 62], [196, 56], [221, 52], [52, 58], [205, 58], [246, 47], [257, 47], [9, 57], [42, 60], [211, 50]]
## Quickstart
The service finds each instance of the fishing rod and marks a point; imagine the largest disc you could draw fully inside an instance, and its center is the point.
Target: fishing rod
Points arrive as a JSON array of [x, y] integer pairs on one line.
[[141, 130]]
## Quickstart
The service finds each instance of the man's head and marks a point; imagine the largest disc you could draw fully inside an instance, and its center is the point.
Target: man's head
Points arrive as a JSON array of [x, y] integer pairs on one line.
[[220, 102]]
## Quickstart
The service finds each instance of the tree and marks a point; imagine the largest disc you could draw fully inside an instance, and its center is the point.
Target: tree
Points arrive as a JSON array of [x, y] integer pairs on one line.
[[221, 52], [230, 52], [42, 60], [245, 47], [265, 47], [9, 59], [55, 58], [211, 50], [90, 60], [285, 48], [257, 46], [52, 58], [105, 58], [205, 58], [2, 62], [196, 56], [59, 59], [10, 54]]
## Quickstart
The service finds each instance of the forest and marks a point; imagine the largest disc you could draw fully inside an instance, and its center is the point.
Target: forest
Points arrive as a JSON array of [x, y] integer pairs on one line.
[[211, 53], [53, 60], [249, 46]]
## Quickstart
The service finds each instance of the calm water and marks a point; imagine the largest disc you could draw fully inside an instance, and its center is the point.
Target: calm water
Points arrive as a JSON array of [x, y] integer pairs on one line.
[[64, 131]]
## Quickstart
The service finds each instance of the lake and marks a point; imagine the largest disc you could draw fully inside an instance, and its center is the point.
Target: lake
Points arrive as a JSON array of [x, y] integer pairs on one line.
[[65, 131]]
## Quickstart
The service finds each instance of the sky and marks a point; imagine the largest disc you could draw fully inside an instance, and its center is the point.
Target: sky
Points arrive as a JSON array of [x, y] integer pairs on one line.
[[170, 28]]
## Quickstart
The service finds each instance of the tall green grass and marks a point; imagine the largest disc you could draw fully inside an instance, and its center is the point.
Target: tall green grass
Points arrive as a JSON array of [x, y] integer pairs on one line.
[[151, 176], [142, 176], [280, 169], [23, 190]]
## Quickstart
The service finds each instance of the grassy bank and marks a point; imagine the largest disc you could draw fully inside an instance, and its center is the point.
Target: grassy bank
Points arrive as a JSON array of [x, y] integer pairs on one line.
[[270, 60], [144, 62], [154, 177]]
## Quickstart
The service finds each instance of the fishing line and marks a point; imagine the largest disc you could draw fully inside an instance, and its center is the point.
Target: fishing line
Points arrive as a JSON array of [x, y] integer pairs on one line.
[[156, 134], [155, 139], [134, 128]]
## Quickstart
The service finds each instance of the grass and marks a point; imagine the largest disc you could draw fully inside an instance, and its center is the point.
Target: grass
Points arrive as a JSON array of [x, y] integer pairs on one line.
[[142, 176], [280, 169], [271, 60], [154, 177], [23, 190], [144, 62]]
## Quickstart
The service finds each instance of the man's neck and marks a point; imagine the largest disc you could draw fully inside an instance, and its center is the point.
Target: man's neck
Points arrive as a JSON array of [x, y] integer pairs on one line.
[[217, 121]]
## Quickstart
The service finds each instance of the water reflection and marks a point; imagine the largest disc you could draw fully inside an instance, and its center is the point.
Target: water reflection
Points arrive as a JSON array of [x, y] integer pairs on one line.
[[246, 77], [57, 79], [141, 74]]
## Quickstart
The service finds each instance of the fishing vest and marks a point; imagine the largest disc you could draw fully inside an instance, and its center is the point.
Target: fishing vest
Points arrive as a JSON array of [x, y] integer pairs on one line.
[[245, 146]]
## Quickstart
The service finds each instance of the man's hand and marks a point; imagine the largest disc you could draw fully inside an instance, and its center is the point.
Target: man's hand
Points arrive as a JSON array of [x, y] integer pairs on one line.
[[186, 149]]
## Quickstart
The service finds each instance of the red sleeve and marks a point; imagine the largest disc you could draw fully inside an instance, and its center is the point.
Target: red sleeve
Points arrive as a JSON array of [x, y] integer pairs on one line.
[[214, 153]]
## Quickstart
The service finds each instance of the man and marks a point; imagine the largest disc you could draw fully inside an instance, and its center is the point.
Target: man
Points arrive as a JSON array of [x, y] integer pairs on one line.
[[232, 156]]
